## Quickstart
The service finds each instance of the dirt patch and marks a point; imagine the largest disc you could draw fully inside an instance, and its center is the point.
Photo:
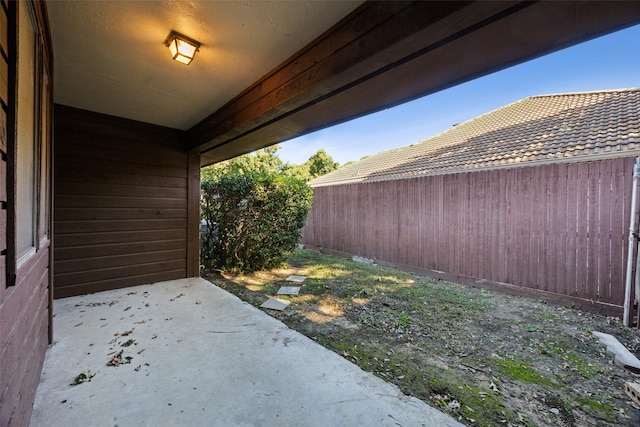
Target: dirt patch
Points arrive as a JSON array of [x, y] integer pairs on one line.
[[484, 357]]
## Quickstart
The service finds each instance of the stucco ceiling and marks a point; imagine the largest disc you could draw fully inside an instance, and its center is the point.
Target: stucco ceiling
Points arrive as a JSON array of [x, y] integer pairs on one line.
[[110, 56]]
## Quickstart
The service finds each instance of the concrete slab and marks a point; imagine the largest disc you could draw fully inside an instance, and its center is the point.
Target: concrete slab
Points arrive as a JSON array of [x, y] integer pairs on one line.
[[296, 279], [201, 357], [289, 290], [275, 304]]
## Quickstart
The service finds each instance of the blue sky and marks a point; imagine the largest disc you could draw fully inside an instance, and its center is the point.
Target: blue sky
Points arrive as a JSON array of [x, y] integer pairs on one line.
[[609, 62]]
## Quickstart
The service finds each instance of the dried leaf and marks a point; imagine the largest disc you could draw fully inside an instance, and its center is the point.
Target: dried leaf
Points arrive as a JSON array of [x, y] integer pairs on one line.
[[118, 360]]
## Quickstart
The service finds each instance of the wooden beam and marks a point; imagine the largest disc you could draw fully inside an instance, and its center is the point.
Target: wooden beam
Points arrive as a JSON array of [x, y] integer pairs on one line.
[[365, 32], [382, 55], [193, 216]]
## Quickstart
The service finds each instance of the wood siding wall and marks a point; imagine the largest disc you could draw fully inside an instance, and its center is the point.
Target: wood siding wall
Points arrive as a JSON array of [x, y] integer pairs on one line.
[[24, 305], [24, 322], [560, 228], [121, 204]]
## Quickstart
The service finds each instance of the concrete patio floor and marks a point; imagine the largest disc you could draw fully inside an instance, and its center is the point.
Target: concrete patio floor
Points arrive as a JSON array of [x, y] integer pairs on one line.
[[201, 357]]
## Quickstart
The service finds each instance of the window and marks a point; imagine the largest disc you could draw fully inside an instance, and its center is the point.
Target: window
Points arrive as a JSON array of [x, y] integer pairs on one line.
[[29, 147], [25, 146]]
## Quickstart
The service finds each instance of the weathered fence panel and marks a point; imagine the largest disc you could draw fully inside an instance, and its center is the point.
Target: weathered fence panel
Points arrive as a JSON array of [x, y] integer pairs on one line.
[[559, 228]]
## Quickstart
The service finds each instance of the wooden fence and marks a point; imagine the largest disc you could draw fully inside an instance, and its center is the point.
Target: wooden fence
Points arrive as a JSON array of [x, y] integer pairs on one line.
[[559, 228]]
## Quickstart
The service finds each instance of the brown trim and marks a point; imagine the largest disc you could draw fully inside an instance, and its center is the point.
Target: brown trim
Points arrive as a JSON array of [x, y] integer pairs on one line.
[[40, 8], [3, 130], [12, 126], [193, 216], [51, 210], [557, 299], [371, 28], [411, 49]]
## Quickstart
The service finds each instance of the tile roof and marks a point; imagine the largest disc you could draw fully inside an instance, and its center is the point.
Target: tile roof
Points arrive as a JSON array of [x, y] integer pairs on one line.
[[539, 129]]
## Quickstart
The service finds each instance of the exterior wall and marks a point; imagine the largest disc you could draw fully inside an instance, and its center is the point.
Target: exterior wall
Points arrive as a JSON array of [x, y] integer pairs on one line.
[[24, 284], [24, 321], [559, 228], [124, 197]]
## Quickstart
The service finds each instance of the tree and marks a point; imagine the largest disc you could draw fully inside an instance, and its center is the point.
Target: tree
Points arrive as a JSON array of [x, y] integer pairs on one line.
[[321, 163], [297, 171], [265, 160]]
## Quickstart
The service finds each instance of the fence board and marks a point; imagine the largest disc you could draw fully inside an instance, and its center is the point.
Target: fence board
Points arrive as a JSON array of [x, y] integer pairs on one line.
[[570, 276], [558, 241], [628, 212], [536, 221], [552, 231], [457, 191], [437, 225], [435, 203], [593, 217], [471, 234], [619, 211], [510, 255], [528, 247], [560, 227], [502, 225], [403, 242], [497, 207], [582, 240], [483, 226], [604, 233]]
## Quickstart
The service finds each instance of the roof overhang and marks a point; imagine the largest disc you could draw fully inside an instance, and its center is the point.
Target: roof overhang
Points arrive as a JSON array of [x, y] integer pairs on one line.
[[379, 55]]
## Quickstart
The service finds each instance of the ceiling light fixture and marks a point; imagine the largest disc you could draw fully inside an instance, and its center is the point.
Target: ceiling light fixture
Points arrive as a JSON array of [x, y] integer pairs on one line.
[[182, 48]]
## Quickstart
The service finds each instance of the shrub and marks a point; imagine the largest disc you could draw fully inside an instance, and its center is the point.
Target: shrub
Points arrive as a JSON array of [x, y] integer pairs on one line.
[[253, 220]]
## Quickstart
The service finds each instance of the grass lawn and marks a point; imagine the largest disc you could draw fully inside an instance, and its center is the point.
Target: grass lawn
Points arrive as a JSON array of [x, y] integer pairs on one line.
[[484, 357]]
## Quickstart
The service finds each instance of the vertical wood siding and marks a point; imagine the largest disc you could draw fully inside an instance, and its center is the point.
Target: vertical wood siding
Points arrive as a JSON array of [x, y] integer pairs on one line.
[[560, 228], [121, 203]]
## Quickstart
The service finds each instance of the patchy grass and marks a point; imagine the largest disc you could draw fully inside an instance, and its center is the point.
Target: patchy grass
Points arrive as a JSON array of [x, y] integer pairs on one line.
[[484, 357], [520, 370]]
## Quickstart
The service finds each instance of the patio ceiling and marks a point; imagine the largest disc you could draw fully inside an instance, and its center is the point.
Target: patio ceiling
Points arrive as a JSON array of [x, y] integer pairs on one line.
[[110, 56], [271, 71]]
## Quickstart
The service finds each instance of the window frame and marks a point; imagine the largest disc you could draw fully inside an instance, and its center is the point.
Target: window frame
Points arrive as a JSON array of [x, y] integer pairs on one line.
[[41, 184]]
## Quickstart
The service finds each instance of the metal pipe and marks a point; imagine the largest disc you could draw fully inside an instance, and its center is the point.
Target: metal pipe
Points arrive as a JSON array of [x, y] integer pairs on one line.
[[632, 239]]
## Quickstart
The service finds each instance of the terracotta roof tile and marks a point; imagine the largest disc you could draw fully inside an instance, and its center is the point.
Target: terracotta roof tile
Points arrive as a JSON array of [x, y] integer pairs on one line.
[[542, 129]]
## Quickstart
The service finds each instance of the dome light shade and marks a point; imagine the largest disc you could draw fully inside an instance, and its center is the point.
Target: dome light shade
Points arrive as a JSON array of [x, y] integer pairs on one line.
[[181, 47]]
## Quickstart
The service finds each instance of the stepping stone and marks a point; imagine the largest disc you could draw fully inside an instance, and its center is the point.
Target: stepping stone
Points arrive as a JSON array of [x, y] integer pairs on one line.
[[622, 356], [275, 304], [289, 290], [362, 260], [297, 279]]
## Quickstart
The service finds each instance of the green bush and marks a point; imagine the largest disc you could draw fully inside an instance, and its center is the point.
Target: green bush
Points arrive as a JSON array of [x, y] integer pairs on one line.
[[253, 220]]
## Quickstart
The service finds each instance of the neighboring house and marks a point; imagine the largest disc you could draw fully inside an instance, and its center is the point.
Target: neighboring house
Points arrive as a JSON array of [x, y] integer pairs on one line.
[[102, 135], [534, 196]]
